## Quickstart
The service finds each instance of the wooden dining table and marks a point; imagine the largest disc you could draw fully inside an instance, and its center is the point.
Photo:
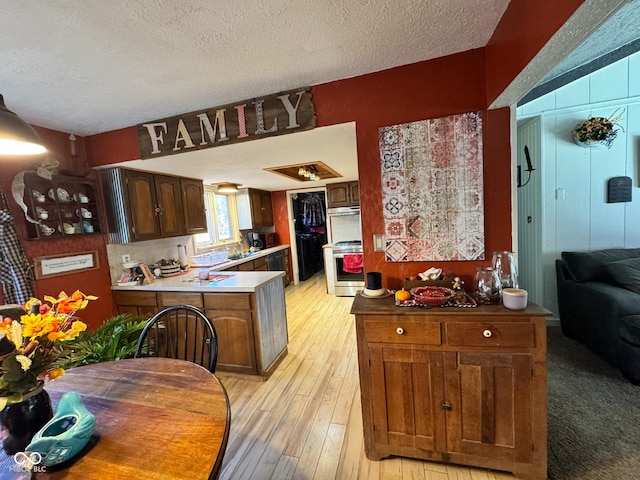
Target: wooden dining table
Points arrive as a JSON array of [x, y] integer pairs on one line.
[[156, 418]]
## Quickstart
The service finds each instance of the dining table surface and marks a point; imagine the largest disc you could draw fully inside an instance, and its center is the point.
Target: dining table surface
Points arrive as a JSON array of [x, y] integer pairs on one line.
[[156, 418]]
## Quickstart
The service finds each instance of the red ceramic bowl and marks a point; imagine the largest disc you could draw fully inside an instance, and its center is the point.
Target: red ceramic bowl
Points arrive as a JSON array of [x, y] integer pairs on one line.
[[431, 295]]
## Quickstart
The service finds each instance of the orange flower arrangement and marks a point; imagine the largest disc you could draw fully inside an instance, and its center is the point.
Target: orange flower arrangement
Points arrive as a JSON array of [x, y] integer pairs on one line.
[[29, 348]]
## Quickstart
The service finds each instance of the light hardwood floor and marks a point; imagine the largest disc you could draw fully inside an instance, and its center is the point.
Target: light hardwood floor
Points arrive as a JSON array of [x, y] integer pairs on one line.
[[305, 422]]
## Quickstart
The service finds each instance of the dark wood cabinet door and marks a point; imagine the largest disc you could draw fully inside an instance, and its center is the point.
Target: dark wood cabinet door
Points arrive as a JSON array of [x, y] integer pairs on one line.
[[256, 207], [169, 197], [406, 396], [195, 219], [338, 195], [236, 351], [490, 397], [145, 224], [266, 209], [354, 193]]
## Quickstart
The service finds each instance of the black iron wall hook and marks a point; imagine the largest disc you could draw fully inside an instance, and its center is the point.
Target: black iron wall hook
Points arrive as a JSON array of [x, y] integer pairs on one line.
[[528, 169]]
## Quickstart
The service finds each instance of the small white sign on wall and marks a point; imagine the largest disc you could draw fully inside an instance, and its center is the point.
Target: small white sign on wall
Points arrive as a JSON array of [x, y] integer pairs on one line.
[[61, 265]]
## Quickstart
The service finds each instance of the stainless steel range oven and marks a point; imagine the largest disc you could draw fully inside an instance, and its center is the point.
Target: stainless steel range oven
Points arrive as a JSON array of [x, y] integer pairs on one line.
[[347, 283]]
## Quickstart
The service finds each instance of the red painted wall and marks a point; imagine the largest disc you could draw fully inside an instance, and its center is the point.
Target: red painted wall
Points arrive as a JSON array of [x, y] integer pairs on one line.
[[96, 282], [459, 83], [525, 27], [440, 87]]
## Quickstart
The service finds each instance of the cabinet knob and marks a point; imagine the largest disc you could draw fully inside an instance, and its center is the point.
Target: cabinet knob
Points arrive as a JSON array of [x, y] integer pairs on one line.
[[487, 333], [400, 330]]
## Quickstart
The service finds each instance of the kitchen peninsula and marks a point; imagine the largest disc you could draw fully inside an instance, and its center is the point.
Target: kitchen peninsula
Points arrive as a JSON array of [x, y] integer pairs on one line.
[[247, 310]]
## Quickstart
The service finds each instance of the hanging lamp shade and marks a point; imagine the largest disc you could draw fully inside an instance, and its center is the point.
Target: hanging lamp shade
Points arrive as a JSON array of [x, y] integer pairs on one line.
[[228, 188], [17, 137]]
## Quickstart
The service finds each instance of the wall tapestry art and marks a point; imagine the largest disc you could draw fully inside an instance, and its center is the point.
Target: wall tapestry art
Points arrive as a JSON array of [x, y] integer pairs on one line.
[[432, 189]]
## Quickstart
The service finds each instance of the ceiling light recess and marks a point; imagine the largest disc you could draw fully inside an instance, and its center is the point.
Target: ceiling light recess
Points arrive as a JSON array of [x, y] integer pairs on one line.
[[306, 172], [17, 137]]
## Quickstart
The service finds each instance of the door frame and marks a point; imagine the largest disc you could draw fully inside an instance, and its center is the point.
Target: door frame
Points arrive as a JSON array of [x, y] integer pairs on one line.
[[292, 227]]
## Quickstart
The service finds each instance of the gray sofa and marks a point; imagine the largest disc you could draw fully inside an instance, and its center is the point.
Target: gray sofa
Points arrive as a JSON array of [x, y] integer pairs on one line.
[[599, 304]]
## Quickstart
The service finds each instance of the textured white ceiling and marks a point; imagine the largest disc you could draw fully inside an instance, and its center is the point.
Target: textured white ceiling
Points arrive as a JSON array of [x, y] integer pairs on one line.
[[88, 66]]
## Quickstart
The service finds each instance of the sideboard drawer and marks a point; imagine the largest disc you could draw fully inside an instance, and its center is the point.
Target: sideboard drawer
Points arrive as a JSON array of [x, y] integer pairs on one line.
[[402, 330], [490, 334]]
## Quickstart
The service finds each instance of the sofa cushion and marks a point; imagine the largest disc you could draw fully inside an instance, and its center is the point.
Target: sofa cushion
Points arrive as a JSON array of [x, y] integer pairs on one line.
[[625, 273], [589, 266]]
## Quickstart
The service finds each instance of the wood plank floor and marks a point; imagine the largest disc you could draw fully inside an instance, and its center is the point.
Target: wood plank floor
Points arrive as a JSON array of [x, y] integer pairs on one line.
[[305, 422]]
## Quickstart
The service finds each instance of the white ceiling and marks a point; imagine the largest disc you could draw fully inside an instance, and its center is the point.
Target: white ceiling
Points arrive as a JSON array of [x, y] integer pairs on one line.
[[89, 66]]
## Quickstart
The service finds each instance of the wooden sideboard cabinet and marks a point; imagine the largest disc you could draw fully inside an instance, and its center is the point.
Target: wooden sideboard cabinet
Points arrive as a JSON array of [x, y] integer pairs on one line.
[[464, 386]]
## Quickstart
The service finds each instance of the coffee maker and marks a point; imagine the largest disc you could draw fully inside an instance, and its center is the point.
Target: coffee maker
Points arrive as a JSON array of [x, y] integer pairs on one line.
[[255, 242]]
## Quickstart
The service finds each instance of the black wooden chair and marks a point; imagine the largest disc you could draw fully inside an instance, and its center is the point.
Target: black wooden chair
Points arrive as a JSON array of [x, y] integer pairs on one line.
[[183, 332]]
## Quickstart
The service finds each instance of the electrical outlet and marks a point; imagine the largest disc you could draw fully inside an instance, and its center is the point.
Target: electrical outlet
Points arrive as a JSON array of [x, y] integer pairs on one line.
[[126, 258]]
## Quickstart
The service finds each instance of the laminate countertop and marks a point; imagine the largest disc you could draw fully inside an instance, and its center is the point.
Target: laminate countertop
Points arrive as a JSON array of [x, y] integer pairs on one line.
[[219, 282]]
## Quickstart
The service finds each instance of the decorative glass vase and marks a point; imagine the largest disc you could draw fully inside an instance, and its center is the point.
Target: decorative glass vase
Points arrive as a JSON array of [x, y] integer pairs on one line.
[[20, 421], [505, 266], [487, 288]]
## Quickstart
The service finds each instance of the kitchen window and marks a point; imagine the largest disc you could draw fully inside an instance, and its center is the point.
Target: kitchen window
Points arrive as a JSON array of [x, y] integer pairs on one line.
[[222, 220]]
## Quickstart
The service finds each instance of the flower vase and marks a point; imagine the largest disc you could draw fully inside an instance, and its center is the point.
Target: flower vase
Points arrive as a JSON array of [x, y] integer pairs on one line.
[[588, 143], [20, 421]]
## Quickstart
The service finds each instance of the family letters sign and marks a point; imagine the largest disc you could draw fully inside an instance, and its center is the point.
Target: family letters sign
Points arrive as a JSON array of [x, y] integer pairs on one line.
[[267, 116]]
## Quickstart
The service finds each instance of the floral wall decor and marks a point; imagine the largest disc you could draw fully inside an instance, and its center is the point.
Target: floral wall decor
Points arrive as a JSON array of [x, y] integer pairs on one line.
[[432, 189], [597, 130]]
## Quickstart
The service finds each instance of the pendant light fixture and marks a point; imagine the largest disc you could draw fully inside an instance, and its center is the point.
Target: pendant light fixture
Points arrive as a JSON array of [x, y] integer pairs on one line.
[[17, 137], [228, 188]]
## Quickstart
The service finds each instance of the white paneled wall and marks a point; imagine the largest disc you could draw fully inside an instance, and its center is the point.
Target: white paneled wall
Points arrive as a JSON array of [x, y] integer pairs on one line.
[[573, 190]]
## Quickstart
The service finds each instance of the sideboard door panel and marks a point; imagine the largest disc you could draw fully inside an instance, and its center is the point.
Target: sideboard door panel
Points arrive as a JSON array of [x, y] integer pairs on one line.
[[490, 394], [405, 396]]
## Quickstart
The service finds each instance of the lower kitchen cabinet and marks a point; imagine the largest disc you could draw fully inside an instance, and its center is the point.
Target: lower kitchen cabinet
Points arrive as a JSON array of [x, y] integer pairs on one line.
[[232, 316], [141, 304], [464, 386], [251, 326]]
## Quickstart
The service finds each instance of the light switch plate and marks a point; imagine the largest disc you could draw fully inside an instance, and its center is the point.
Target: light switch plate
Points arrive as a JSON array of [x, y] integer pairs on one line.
[[126, 258], [378, 242]]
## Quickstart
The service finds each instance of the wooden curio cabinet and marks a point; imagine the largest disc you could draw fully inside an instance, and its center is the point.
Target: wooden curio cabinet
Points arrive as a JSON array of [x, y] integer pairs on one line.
[[61, 207]]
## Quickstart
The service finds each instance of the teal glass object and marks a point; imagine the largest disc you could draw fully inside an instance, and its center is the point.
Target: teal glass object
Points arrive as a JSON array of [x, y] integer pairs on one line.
[[66, 433]]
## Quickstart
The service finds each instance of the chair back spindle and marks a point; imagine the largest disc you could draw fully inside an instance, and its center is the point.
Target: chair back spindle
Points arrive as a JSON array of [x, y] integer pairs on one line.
[[183, 332]]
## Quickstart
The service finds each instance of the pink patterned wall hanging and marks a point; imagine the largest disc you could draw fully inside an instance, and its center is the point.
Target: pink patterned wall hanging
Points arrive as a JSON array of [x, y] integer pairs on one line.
[[432, 189]]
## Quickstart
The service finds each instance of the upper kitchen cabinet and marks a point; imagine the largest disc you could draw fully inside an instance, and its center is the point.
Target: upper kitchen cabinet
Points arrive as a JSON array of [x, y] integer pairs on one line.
[[195, 220], [254, 208], [345, 194], [61, 207], [147, 206]]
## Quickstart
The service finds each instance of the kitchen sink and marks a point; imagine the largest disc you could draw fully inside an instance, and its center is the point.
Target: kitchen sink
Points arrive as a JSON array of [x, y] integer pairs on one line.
[[240, 255]]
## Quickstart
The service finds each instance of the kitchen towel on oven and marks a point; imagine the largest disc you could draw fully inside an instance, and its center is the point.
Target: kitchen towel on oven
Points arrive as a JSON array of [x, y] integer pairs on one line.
[[352, 262]]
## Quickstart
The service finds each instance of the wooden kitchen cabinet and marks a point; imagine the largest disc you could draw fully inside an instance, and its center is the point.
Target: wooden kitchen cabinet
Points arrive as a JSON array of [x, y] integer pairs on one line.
[[251, 327], [232, 317], [146, 206], [464, 386], [255, 208], [345, 194], [169, 208], [141, 304], [195, 220]]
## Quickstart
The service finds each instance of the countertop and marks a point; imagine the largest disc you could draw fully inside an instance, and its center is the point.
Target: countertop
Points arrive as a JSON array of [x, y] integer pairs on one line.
[[231, 263], [233, 282]]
